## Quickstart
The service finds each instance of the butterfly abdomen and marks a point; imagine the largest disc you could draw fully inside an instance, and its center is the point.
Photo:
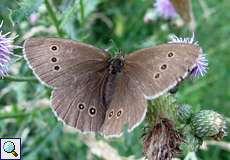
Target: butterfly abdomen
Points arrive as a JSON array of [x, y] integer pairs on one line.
[[109, 88], [114, 72]]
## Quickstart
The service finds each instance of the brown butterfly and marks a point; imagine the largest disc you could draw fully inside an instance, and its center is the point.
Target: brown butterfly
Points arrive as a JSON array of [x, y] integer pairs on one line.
[[93, 92], [184, 9]]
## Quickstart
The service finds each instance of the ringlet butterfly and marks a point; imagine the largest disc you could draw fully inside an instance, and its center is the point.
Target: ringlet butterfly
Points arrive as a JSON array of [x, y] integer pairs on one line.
[[184, 9], [93, 92]]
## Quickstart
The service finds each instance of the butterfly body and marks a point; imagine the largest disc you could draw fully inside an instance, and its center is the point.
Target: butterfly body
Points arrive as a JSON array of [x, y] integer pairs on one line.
[[94, 93], [109, 87], [116, 65], [114, 69]]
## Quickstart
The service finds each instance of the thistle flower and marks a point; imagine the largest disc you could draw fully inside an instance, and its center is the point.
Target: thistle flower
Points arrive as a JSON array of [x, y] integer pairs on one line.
[[33, 18], [208, 123], [201, 65], [162, 141], [165, 9], [6, 47]]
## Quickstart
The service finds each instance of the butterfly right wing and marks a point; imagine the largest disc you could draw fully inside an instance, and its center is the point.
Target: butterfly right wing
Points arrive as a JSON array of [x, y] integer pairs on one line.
[[59, 62], [80, 105], [158, 69]]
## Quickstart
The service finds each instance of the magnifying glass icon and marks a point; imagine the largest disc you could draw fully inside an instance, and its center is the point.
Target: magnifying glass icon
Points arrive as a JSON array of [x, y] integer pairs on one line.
[[9, 147]]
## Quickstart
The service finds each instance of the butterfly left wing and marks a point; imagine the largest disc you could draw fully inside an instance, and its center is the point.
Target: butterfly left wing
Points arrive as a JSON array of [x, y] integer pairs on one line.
[[59, 62], [128, 106], [158, 69]]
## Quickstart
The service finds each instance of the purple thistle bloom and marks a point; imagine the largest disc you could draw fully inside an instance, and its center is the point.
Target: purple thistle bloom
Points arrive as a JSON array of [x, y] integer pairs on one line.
[[201, 66], [5, 50], [33, 18], [165, 9]]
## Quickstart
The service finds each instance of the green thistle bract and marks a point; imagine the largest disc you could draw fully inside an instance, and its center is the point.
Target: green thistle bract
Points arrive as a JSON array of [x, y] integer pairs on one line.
[[184, 113], [208, 123]]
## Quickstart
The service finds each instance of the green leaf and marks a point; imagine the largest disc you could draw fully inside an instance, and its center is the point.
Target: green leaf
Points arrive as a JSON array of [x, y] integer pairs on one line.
[[191, 156], [80, 9], [69, 13], [26, 8], [51, 136], [89, 6]]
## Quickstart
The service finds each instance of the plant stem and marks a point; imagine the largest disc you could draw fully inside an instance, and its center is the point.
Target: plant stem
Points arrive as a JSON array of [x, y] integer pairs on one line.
[[13, 115], [82, 11], [22, 114], [53, 17], [51, 136], [20, 79], [221, 144]]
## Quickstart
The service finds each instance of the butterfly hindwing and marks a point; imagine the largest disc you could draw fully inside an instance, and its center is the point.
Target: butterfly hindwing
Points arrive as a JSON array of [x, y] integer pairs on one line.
[[80, 105], [128, 106]]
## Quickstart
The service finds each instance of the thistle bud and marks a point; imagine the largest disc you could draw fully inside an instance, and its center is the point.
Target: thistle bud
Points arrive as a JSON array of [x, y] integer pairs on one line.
[[184, 113], [208, 123]]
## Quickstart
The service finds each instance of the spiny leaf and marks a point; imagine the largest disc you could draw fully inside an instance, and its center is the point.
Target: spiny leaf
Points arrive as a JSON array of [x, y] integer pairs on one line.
[[80, 10], [69, 13], [26, 8]]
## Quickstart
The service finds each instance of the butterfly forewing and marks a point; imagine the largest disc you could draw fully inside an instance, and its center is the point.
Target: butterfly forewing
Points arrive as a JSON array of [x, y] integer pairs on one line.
[[59, 62], [157, 69]]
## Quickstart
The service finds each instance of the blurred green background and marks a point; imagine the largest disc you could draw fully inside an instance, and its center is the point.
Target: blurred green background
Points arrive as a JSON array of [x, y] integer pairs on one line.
[[24, 103]]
